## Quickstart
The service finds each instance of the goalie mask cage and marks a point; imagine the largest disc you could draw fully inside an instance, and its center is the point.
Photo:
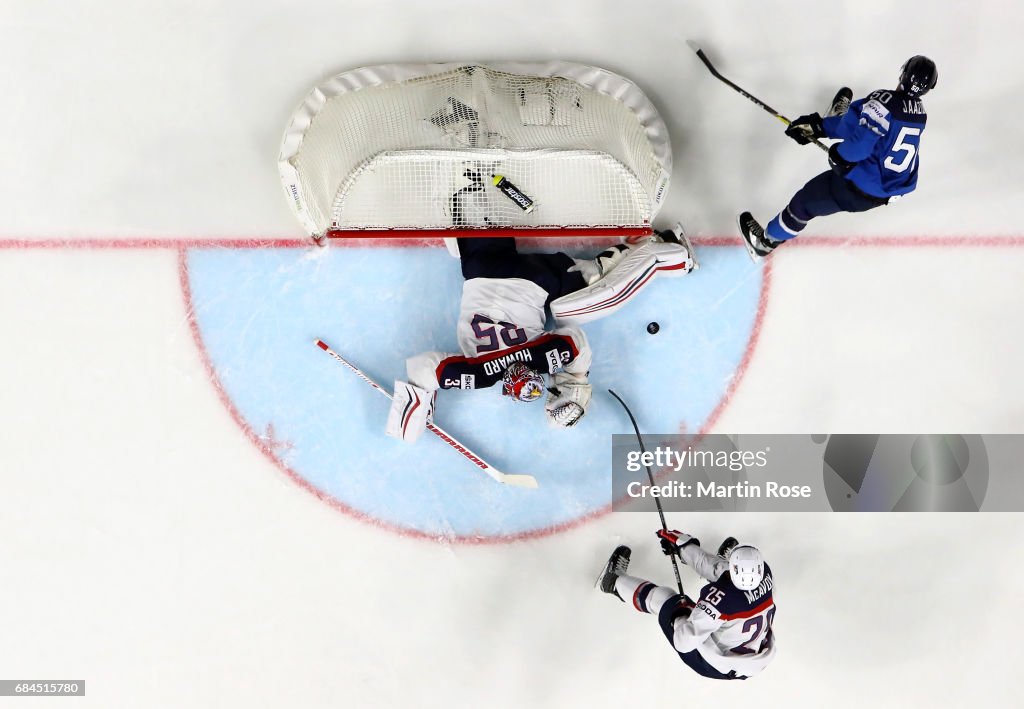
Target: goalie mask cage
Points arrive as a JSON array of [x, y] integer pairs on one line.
[[417, 150]]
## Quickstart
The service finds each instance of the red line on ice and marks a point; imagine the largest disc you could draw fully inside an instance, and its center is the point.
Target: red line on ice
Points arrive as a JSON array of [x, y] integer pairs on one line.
[[99, 243]]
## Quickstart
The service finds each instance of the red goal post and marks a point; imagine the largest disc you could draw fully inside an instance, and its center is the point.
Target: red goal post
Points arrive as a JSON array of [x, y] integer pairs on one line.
[[468, 149]]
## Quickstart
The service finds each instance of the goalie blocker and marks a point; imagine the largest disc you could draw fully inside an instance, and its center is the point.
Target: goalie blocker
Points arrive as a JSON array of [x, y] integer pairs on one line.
[[412, 408], [668, 253]]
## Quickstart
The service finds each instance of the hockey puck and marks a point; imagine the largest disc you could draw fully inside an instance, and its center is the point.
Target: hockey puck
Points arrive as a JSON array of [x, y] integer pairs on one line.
[[653, 327]]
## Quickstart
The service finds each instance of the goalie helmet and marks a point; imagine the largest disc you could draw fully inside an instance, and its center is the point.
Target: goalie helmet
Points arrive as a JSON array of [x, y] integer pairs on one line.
[[746, 567], [918, 76], [522, 383]]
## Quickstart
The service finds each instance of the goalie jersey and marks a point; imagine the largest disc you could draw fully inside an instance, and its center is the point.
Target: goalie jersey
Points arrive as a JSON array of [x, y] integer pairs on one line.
[[501, 321], [730, 628]]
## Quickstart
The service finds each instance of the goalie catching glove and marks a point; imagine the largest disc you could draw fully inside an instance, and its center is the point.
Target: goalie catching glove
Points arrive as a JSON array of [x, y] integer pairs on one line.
[[568, 399], [412, 408]]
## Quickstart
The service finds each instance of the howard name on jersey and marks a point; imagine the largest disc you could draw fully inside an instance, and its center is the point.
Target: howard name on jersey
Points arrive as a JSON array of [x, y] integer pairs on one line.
[[564, 349], [501, 321], [730, 628], [882, 135]]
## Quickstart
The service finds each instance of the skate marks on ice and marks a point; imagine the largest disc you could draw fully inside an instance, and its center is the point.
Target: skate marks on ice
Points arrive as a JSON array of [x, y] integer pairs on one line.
[[256, 311]]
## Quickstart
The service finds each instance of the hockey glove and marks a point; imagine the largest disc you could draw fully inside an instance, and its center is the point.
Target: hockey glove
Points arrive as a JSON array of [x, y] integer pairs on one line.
[[683, 609], [837, 162], [806, 128], [673, 540], [568, 399], [412, 408]]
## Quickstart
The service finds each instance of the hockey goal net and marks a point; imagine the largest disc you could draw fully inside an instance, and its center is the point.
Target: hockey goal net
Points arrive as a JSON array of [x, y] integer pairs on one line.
[[550, 148]]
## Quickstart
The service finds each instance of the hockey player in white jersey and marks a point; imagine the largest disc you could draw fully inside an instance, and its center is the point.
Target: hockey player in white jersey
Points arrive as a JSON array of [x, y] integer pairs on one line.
[[501, 325], [727, 632]]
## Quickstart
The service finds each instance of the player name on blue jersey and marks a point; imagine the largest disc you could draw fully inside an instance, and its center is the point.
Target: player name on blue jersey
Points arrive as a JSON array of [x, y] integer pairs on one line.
[[913, 106]]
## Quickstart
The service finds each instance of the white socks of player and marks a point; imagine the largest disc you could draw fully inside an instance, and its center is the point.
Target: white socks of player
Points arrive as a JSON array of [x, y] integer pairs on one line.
[[643, 595]]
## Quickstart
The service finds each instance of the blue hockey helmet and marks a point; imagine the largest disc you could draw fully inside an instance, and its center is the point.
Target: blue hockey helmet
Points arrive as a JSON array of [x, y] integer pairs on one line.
[[918, 76]]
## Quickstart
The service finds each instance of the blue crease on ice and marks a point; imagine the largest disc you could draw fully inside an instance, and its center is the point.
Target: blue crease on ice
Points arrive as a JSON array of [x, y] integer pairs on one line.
[[259, 310]]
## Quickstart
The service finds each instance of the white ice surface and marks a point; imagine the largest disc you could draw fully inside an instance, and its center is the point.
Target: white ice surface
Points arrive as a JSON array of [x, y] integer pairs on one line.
[[147, 547]]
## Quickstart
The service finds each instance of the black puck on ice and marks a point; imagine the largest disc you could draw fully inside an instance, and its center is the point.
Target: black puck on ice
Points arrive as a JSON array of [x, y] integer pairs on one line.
[[653, 327]]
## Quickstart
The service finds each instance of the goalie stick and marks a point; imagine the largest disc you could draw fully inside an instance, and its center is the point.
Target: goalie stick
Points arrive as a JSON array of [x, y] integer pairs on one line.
[[515, 480], [650, 476], [714, 72]]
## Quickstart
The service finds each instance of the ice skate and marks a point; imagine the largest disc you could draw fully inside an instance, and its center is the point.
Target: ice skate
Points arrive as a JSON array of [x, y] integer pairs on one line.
[[618, 564], [757, 243], [677, 235], [727, 546], [841, 102]]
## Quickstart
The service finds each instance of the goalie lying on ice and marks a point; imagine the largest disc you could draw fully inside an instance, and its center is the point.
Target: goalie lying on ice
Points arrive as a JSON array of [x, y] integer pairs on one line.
[[501, 324]]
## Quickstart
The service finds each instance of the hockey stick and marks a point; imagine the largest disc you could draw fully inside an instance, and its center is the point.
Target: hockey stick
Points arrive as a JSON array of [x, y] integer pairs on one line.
[[650, 476], [714, 72], [506, 478]]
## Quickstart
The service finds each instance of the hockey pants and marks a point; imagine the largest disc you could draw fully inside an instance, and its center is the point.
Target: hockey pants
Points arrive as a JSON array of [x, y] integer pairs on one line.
[[668, 606], [825, 194], [491, 257]]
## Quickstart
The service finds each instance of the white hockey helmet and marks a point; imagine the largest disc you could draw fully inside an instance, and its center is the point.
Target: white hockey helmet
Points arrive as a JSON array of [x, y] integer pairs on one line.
[[746, 567]]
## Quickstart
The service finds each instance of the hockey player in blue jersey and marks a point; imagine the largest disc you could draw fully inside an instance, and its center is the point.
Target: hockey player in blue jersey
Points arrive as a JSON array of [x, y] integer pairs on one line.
[[875, 162], [727, 632]]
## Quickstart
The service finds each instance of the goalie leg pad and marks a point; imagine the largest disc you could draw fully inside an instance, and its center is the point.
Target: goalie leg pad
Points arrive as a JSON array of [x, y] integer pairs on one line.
[[615, 289], [412, 408]]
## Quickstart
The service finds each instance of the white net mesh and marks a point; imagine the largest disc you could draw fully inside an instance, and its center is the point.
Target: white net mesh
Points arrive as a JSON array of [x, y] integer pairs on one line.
[[372, 150]]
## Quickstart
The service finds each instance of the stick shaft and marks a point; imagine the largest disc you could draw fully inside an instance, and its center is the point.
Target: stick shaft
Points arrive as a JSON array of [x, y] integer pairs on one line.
[[650, 476], [746, 94]]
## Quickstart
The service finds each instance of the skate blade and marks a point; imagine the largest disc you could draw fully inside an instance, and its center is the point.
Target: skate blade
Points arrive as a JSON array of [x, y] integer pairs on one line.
[[846, 94], [604, 570], [689, 248], [680, 234], [754, 256]]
